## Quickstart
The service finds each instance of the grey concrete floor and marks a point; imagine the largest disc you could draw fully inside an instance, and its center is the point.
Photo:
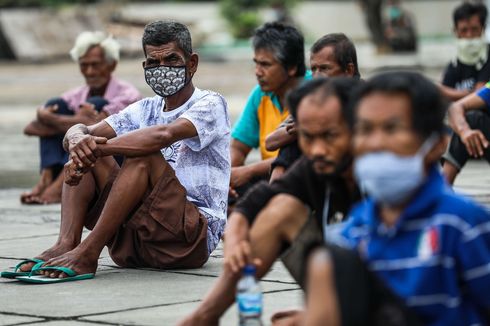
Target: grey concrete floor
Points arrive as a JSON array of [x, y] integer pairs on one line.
[[120, 296]]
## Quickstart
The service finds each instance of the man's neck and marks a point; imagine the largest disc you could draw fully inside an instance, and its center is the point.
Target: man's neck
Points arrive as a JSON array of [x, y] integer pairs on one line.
[[290, 84], [176, 100], [99, 91]]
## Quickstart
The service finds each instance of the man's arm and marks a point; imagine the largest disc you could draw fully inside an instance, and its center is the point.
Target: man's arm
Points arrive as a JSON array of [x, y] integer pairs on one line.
[[148, 140], [452, 94], [474, 140], [242, 174], [239, 152], [280, 137], [48, 123]]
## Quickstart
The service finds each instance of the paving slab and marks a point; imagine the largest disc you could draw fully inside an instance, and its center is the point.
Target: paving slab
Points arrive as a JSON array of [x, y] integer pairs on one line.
[[113, 290], [62, 323], [170, 314], [14, 320], [213, 267]]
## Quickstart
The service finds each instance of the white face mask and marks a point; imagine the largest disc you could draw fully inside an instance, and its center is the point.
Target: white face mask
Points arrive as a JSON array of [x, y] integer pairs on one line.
[[472, 51], [389, 178]]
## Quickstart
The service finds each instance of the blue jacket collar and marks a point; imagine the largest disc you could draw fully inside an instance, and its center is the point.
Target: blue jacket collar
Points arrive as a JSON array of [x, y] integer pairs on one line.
[[427, 195]]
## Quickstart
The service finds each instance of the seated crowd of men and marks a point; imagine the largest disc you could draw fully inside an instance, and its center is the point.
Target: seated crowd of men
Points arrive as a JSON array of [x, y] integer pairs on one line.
[[349, 192]]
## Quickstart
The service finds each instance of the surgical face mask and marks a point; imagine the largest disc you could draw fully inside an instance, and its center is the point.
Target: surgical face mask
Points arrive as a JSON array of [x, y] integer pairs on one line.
[[472, 51], [391, 179], [166, 80]]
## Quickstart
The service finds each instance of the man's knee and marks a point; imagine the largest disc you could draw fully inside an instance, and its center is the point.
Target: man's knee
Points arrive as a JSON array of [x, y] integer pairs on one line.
[[61, 104], [477, 119], [285, 213]]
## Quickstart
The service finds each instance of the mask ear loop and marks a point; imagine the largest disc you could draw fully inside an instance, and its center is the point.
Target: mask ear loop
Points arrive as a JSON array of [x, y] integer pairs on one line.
[[427, 145]]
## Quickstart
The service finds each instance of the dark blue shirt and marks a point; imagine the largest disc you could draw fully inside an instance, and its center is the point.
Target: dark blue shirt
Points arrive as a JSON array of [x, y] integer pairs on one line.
[[436, 257]]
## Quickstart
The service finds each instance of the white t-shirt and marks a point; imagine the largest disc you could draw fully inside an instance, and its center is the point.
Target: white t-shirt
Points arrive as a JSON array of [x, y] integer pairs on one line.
[[201, 163]]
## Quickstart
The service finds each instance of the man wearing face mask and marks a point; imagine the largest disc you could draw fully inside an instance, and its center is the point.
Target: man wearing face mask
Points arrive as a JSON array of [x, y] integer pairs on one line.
[[166, 206], [470, 69], [428, 245]]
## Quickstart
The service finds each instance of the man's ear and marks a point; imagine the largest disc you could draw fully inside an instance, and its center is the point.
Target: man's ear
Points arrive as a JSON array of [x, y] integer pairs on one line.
[[193, 63], [113, 65], [350, 70], [291, 71]]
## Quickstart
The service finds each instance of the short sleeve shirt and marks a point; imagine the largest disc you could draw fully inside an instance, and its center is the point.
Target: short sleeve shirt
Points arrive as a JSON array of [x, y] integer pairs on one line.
[[436, 257], [118, 93], [261, 116], [201, 163], [464, 77], [484, 94]]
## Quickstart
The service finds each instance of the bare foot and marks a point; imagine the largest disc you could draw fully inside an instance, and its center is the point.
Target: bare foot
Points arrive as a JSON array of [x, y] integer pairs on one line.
[[198, 319], [54, 251], [288, 317], [44, 181], [50, 195], [77, 260]]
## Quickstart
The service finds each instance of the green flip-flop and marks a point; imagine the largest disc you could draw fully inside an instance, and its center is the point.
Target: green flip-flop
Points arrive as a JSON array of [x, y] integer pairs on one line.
[[41, 279], [16, 272]]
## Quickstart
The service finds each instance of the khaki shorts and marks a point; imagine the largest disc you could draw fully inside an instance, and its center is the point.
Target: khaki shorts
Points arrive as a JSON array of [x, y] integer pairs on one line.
[[165, 231], [295, 256]]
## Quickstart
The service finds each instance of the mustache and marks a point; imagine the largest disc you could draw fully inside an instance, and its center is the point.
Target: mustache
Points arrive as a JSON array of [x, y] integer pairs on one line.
[[321, 160]]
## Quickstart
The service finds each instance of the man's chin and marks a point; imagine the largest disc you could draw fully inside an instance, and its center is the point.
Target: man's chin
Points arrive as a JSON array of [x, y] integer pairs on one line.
[[325, 171]]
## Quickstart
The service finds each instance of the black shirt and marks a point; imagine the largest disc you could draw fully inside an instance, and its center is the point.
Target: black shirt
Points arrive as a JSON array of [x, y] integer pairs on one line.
[[302, 182], [464, 77]]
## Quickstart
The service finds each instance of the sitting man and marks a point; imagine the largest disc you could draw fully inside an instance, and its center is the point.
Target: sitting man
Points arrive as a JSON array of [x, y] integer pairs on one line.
[[279, 66], [470, 70], [332, 55], [166, 206], [103, 95], [428, 245], [293, 211], [471, 125]]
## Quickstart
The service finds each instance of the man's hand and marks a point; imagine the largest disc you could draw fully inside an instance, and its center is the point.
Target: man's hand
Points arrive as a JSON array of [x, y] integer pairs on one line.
[[291, 128], [88, 110], [84, 150], [237, 249], [44, 114], [475, 142], [73, 174], [240, 175]]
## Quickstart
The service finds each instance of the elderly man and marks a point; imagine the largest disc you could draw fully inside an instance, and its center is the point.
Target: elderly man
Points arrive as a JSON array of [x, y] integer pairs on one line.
[[103, 95], [166, 206]]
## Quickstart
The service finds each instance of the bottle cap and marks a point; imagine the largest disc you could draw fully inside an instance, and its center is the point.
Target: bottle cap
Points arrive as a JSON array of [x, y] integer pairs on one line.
[[249, 269]]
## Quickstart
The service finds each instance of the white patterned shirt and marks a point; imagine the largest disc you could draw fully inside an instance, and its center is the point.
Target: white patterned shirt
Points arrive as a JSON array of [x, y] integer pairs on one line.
[[201, 163]]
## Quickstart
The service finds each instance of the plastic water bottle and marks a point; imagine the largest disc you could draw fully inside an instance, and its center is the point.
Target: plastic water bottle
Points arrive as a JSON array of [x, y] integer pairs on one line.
[[249, 298]]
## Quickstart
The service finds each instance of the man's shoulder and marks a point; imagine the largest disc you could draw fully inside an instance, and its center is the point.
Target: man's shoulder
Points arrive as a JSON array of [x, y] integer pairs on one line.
[[122, 83], [464, 208]]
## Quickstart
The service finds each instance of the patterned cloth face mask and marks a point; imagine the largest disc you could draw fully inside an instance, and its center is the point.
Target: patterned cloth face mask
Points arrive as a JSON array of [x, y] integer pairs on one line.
[[166, 80]]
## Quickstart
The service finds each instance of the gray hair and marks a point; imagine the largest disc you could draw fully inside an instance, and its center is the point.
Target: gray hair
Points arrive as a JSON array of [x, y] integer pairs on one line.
[[87, 40], [163, 32]]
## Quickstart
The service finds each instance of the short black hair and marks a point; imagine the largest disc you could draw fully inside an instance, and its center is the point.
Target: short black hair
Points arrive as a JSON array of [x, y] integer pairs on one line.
[[467, 9], [285, 42], [163, 32], [343, 50], [427, 104], [340, 87]]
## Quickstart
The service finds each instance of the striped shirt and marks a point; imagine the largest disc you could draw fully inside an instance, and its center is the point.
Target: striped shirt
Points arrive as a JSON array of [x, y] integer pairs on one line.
[[436, 256]]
